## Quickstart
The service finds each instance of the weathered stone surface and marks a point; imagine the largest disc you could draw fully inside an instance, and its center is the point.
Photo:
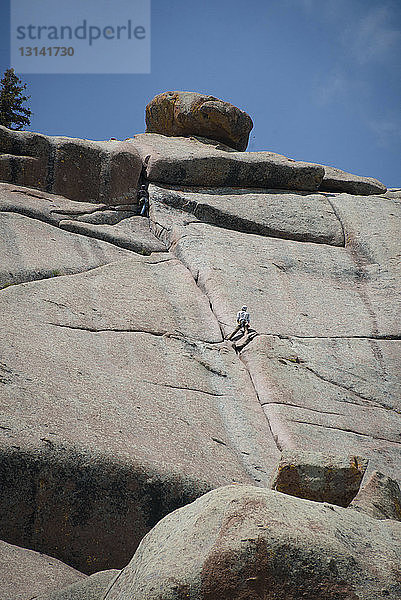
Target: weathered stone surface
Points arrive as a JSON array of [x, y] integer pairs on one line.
[[77, 169], [81, 170], [25, 574], [319, 477], [336, 180], [293, 288], [190, 113], [126, 406], [106, 217], [300, 289], [191, 162], [371, 227], [380, 498], [31, 249], [297, 216], [93, 587], [242, 542]]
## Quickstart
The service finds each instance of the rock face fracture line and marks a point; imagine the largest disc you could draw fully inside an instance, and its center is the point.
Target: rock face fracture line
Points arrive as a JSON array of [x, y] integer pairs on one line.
[[343, 387], [181, 387], [40, 279], [260, 402], [121, 330], [324, 412], [346, 430], [338, 217], [111, 329], [282, 336]]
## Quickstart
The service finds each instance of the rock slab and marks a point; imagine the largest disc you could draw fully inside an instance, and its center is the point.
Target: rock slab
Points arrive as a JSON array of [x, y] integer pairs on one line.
[[93, 587], [336, 180], [81, 170], [196, 162]]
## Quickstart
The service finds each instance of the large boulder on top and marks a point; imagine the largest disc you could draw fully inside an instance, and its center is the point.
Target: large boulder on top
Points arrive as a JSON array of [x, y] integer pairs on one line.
[[190, 113], [245, 543]]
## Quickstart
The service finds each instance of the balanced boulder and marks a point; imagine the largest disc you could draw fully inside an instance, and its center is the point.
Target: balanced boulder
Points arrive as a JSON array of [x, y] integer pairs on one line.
[[190, 113]]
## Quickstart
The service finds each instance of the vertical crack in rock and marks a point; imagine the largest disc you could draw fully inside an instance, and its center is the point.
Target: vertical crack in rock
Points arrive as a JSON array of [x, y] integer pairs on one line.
[[278, 445], [335, 211], [162, 232]]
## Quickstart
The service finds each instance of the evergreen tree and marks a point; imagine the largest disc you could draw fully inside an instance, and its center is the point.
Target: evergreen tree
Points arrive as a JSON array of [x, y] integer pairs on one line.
[[11, 101]]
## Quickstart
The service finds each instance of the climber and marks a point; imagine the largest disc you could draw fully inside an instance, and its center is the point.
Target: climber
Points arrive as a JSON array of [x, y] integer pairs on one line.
[[143, 201], [243, 322]]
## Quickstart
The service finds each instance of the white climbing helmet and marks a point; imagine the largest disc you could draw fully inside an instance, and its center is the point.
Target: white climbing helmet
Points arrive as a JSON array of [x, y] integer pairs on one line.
[[245, 308]]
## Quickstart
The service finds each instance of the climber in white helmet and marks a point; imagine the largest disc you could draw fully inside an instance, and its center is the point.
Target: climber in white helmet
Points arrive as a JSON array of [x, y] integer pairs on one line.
[[243, 322]]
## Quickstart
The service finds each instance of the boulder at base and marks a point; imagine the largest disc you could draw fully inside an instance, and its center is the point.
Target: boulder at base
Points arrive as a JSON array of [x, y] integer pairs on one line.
[[241, 542], [25, 574], [93, 587], [190, 113]]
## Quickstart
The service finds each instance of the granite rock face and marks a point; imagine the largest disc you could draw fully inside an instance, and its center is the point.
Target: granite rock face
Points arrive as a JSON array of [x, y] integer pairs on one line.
[[128, 353], [242, 542], [325, 361], [300, 216], [121, 398], [190, 113]]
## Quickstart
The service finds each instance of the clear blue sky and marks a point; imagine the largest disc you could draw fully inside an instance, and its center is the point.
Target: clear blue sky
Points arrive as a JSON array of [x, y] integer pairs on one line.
[[321, 79]]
